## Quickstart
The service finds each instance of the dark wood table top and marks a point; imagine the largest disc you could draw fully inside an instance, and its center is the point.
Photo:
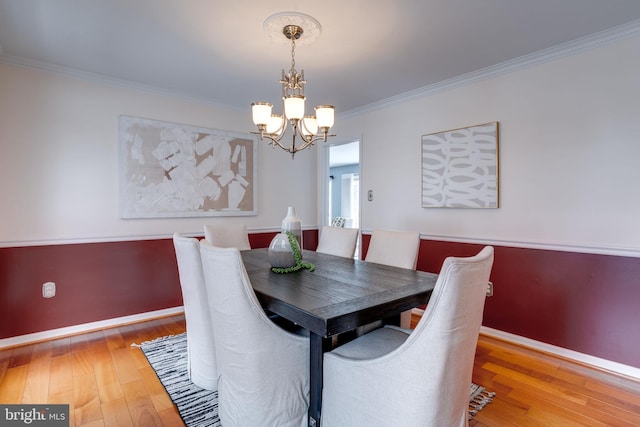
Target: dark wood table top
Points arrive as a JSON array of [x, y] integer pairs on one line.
[[340, 294]]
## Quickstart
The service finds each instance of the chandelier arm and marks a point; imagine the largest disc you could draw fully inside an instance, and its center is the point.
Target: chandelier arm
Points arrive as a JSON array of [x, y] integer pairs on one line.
[[307, 141], [273, 140], [279, 133]]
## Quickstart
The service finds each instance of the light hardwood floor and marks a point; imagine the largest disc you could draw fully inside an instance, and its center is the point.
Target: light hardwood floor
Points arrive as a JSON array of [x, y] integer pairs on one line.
[[109, 383]]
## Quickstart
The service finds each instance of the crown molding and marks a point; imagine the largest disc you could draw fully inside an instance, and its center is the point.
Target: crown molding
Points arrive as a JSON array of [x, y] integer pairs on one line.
[[103, 79], [546, 55]]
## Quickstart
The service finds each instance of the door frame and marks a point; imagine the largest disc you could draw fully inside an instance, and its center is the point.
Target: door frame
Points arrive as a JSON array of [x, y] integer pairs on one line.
[[323, 177]]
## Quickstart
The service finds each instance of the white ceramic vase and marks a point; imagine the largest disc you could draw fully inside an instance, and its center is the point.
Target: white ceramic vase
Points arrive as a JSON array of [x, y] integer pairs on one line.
[[280, 252], [292, 223]]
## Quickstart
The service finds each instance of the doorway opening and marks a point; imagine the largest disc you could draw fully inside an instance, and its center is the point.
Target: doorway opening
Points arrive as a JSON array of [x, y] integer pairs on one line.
[[342, 197]]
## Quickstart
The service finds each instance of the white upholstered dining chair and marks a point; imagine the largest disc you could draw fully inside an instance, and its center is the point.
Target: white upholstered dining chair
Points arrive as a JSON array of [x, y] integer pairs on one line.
[[338, 241], [201, 360], [227, 236], [393, 376], [394, 248], [263, 369], [397, 249]]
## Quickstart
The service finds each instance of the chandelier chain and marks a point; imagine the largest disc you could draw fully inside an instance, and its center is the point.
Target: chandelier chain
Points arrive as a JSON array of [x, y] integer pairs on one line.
[[293, 53]]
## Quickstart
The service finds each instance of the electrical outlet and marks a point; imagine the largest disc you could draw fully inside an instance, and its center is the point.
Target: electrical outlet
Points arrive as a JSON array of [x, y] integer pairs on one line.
[[490, 289], [48, 290]]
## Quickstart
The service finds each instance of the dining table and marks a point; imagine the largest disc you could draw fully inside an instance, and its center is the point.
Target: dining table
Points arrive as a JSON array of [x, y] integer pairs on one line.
[[337, 297]]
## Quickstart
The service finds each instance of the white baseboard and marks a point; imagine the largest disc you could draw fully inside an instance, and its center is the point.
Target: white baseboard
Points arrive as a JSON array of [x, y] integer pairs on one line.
[[87, 327], [596, 362], [586, 359]]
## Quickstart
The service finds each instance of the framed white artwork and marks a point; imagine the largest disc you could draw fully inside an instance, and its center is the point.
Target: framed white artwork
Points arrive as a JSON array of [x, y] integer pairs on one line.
[[175, 170], [460, 168]]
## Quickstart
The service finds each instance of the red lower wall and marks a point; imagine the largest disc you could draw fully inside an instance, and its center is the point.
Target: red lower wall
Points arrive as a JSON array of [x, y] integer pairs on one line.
[[583, 302], [94, 281]]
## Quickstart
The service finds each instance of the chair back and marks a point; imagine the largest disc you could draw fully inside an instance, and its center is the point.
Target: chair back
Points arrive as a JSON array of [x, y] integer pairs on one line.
[[422, 378], [201, 359], [227, 236], [394, 248], [338, 241], [263, 369], [442, 346]]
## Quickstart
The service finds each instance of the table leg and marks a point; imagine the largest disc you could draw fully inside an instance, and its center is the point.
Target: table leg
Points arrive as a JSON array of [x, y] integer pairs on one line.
[[318, 346], [393, 320]]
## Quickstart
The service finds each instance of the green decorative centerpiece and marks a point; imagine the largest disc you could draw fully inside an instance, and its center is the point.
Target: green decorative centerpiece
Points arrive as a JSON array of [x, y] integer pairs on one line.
[[297, 257]]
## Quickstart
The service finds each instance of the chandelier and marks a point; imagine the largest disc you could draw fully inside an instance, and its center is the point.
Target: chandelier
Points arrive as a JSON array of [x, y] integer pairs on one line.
[[309, 129]]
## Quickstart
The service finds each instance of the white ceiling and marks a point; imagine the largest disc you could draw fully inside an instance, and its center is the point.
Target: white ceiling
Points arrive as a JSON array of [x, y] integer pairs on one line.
[[368, 51]]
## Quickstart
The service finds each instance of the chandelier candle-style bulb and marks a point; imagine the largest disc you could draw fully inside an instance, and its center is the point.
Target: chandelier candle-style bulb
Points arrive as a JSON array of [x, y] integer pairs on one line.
[[261, 113], [276, 124], [325, 115], [308, 129], [294, 107], [309, 125]]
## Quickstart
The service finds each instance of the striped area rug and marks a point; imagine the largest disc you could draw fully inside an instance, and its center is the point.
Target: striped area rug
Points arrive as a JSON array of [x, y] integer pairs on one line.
[[199, 407], [168, 357]]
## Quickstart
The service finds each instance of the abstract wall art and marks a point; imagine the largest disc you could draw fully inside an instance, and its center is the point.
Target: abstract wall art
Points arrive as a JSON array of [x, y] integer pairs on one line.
[[460, 168], [175, 170]]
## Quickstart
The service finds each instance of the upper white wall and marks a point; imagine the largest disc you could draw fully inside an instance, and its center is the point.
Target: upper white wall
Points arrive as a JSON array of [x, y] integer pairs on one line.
[[568, 156], [569, 153], [59, 167]]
